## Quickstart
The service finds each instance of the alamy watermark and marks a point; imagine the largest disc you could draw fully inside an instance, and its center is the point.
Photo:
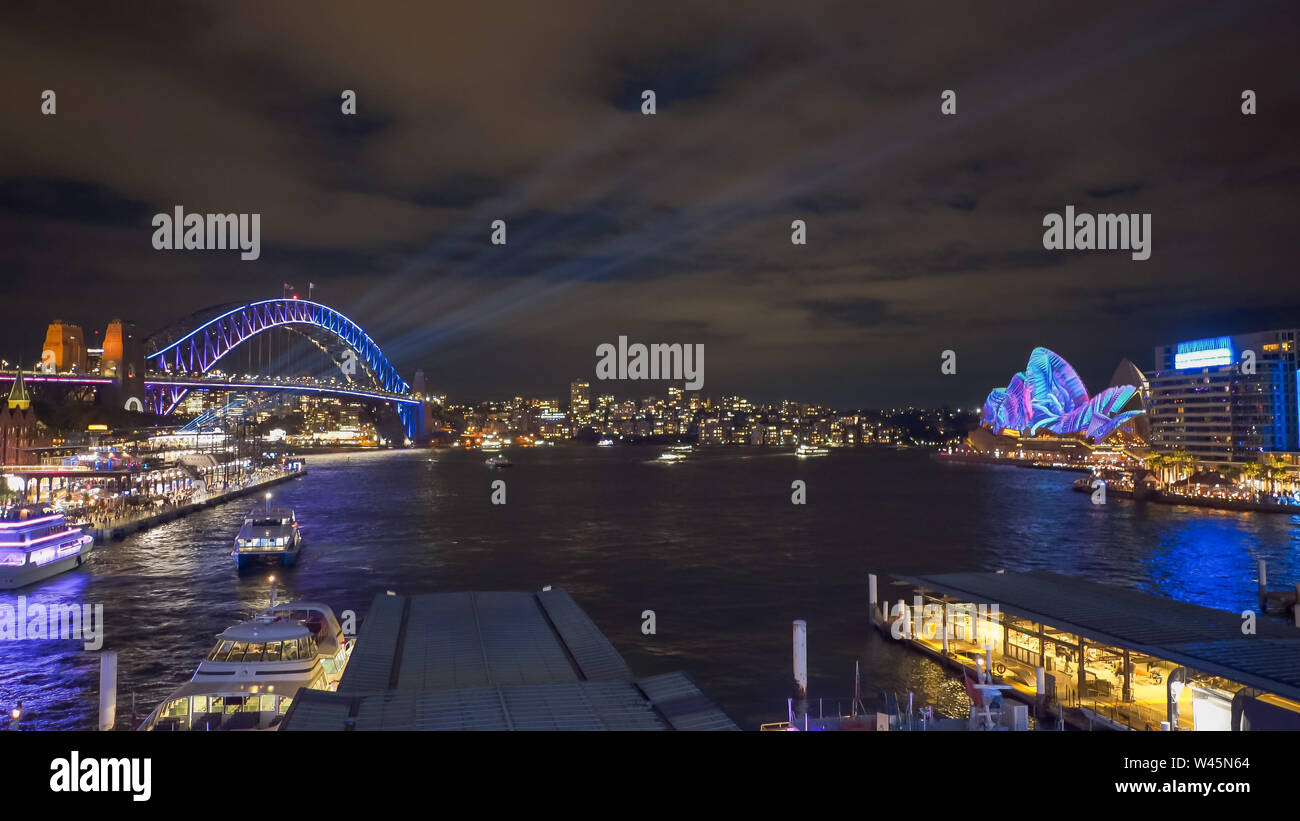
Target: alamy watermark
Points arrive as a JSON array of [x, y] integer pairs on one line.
[[133, 776], [39, 622], [955, 620], [208, 232], [674, 361], [1098, 232]]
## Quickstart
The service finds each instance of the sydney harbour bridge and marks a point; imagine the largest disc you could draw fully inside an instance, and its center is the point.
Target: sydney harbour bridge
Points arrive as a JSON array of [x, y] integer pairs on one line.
[[244, 348]]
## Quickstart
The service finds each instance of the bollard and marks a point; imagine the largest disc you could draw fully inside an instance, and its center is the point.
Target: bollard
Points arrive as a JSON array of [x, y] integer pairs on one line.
[[1263, 584], [107, 689], [801, 666], [871, 595], [945, 628]]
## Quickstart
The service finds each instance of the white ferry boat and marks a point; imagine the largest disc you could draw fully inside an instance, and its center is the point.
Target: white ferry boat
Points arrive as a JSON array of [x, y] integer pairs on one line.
[[671, 456], [490, 444], [255, 669], [605, 443], [811, 450], [269, 533], [36, 543]]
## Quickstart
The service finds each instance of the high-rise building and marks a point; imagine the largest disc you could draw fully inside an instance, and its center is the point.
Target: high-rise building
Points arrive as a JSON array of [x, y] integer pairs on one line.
[[1226, 398], [579, 398]]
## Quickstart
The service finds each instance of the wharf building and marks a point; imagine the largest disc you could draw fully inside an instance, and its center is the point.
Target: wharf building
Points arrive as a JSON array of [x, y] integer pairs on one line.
[[1100, 656]]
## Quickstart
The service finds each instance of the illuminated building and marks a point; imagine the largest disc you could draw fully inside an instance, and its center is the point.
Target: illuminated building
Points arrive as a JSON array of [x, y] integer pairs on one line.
[[18, 431], [1226, 398], [580, 397], [1048, 397]]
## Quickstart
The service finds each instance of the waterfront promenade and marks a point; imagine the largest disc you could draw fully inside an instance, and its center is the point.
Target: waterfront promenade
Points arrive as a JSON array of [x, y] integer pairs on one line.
[[104, 530], [1122, 488]]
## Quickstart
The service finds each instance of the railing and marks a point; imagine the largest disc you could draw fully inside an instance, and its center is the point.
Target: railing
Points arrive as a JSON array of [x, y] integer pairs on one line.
[[1129, 714]]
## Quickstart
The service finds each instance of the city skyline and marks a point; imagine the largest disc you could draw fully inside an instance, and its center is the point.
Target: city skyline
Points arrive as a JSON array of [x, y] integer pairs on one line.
[[924, 231]]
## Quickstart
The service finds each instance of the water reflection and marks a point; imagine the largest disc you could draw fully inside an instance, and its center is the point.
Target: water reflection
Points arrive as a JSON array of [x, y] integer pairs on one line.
[[712, 545]]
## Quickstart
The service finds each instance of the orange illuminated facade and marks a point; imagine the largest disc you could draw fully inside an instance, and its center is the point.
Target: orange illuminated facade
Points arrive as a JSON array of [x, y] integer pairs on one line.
[[65, 347], [119, 339]]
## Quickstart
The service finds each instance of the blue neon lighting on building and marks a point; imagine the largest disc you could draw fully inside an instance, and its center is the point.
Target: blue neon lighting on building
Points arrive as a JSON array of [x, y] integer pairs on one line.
[[1204, 353]]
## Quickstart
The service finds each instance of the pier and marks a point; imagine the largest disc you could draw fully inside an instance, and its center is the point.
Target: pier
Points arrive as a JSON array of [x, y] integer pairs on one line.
[[495, 661], [1096, 656]]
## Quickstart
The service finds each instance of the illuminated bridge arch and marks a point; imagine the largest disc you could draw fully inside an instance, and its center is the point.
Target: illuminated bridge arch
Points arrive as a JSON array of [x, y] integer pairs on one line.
[[200, 349]]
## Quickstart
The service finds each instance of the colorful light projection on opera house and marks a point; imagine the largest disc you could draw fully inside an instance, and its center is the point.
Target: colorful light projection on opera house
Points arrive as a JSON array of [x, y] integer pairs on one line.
[[1048, 396]]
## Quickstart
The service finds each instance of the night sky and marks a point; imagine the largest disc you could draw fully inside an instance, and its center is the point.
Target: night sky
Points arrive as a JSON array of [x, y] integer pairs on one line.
[[924, 231]]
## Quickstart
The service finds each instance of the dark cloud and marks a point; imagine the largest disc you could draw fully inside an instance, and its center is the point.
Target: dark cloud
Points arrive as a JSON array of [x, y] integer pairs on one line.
[[1125, 190], [924, 232]]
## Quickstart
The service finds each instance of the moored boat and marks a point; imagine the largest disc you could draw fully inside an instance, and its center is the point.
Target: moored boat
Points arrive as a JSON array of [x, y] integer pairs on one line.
[[253, 672], [36, 542]]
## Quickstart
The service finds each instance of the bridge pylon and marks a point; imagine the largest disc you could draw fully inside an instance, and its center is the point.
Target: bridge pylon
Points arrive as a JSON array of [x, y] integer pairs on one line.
[[123, 359]]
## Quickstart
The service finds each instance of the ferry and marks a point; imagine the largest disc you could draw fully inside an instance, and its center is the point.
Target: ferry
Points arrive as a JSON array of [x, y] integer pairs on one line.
[[495, 462], [490, 443], [36, 542], [604, 443], [255, 669], [671, 456], [268, 533], [811, 450]]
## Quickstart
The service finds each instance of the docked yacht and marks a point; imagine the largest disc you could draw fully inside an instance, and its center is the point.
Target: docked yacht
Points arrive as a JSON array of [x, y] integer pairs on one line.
[[269, 533], [36, 542], [810, 450], [255, 669]]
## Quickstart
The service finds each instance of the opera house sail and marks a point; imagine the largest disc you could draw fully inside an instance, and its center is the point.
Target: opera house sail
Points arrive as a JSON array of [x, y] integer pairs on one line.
[[1048, 396]]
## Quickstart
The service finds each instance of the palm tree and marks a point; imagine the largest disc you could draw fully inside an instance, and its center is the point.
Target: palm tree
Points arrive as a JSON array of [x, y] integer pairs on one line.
[[1276, 471], [1156, 463], [1250, 473]]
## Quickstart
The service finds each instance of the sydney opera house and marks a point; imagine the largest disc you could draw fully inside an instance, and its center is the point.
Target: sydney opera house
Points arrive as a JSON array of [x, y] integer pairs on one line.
[[1048, 401]]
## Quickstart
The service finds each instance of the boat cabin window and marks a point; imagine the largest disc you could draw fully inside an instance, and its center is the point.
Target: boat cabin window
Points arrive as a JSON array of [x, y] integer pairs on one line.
[[263, 521], [240, 651]]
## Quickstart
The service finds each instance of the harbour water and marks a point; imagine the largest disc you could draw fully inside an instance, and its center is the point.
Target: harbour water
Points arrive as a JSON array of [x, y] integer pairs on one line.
[[712, 545]]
